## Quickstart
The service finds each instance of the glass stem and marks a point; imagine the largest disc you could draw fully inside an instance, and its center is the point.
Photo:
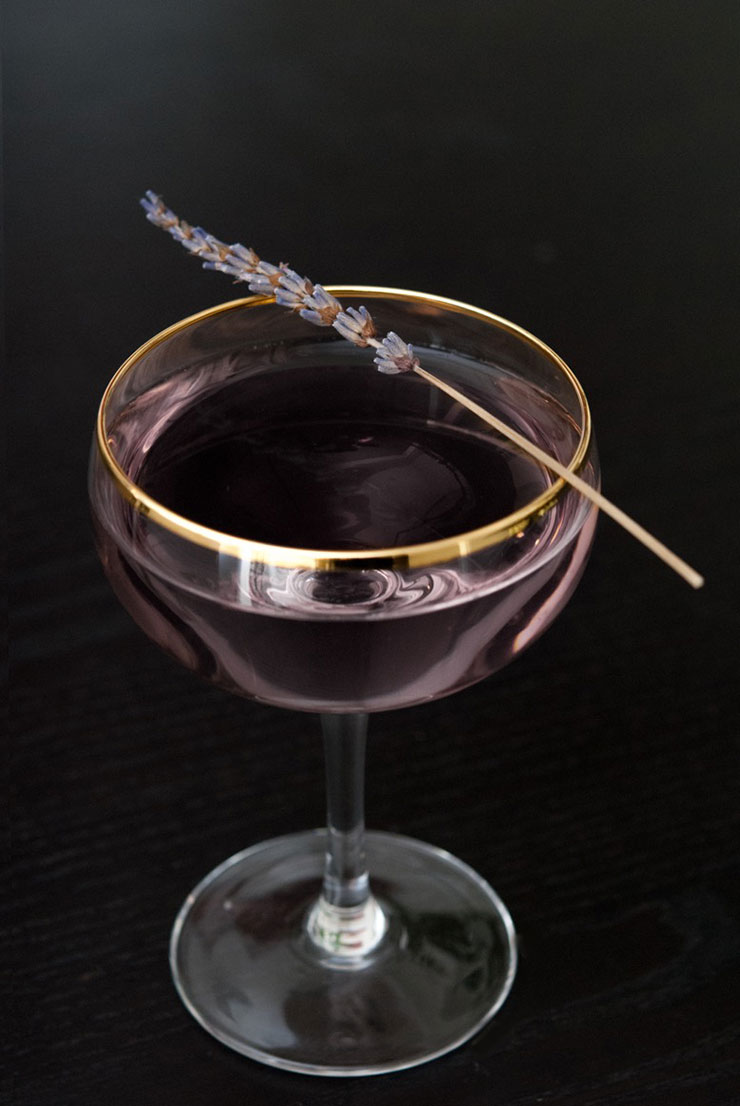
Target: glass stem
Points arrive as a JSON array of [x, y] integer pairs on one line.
[[345, 879], [346, 921]]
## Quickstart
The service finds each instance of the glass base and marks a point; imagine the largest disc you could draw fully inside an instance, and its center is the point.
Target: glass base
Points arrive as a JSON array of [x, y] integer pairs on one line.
[[247, 970]]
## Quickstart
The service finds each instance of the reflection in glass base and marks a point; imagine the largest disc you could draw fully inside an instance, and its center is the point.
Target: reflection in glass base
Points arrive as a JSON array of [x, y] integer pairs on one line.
[[247, 970]]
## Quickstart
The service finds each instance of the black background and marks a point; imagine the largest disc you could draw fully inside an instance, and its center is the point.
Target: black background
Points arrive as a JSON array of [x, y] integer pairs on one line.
[[572, 166]]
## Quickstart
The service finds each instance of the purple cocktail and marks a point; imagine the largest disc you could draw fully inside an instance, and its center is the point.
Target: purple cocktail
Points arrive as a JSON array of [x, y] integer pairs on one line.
[[303, 531]]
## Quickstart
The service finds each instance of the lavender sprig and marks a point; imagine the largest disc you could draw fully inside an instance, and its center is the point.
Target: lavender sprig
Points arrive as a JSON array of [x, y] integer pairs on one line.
[[312, 302], [316, 305]]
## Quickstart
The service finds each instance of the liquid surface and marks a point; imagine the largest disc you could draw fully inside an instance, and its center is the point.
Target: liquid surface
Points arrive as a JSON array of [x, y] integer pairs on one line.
[[331, 483]]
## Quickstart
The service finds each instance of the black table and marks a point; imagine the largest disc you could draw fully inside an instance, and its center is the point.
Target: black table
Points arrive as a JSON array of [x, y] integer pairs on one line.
[[571, 166]]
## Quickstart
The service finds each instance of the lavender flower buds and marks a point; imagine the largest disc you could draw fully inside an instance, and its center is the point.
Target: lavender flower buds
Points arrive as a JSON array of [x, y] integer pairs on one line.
[[321, 308], [395, 356], [355, 326], [293, 290], [265, 279]]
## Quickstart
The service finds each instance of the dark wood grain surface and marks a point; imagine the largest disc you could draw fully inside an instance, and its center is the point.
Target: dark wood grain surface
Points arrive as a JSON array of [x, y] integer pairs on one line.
[[572, 166]]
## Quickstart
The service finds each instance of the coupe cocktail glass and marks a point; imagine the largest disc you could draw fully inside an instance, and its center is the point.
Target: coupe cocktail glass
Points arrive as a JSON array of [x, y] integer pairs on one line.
[[302, 530]]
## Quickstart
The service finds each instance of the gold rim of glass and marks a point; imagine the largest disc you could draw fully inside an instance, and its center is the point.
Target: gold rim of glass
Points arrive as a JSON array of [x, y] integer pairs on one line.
[[399, 557]]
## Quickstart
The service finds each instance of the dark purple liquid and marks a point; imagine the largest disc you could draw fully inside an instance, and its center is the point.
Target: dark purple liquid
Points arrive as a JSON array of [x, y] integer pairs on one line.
[[307, 468], [333, 483]]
